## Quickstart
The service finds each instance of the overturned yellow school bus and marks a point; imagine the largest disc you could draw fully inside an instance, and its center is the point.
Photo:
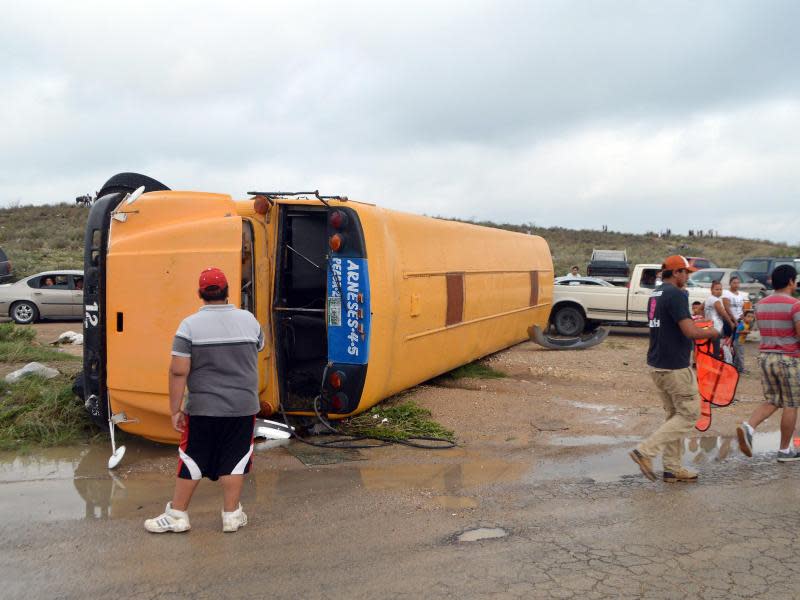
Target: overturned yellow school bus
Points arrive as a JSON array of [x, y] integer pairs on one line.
[[357, 302]]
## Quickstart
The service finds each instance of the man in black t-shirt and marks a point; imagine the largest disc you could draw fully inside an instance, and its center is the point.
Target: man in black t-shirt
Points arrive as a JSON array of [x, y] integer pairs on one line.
[[669, 355]]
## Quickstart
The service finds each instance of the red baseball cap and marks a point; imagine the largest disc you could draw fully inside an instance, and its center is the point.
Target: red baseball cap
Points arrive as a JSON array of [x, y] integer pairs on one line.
[[212, 276], [676, 262]]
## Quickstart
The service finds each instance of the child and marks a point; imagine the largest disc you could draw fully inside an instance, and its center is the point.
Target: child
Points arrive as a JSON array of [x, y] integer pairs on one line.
[[739, 338], [698, 316], [697, 311]]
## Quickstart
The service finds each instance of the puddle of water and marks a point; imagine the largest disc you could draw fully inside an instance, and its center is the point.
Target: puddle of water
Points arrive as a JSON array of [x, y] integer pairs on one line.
[[592, 440], [482, 533], [80, 461], [603, 467], [615, 464], [74, 482]]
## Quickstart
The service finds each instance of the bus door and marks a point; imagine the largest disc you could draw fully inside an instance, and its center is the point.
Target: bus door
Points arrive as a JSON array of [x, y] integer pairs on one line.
[[154, 259]]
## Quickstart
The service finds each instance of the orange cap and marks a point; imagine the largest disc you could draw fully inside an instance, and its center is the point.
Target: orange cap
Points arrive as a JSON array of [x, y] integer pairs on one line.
[[676, 262]]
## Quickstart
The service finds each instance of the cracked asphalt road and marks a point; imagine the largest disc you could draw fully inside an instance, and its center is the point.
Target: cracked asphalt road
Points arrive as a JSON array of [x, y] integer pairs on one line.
[[546, 463], [732, 535]]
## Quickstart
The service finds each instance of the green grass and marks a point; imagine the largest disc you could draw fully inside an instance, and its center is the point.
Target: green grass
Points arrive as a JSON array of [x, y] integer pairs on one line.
[[402, 421], [39, 238], [475, 370], [19, 352], [13, 333], [41, 412], [37, 411], [17, 345]]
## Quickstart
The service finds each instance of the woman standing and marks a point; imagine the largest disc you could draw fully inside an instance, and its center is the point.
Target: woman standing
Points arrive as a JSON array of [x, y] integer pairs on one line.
[[715, 312]]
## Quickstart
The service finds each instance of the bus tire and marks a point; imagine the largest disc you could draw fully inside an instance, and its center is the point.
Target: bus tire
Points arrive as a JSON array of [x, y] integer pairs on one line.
[[129, 182], [569, 321]]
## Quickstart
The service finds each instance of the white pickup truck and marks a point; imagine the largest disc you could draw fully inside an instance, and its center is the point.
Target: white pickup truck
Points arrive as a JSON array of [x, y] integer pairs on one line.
[[583, 303]]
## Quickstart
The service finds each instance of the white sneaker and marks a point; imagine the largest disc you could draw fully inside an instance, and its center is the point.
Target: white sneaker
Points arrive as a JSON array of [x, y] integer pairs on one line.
[[170, 520], [231, 521]]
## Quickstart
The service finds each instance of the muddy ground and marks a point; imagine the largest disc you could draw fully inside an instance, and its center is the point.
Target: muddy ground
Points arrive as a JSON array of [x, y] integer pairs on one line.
[[542, 457]]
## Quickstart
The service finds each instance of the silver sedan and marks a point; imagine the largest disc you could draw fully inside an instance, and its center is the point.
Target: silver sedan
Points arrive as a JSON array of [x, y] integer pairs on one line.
[[48, 295]]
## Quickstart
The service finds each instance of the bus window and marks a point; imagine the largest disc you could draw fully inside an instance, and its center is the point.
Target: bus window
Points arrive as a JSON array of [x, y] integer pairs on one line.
[[248, 276]]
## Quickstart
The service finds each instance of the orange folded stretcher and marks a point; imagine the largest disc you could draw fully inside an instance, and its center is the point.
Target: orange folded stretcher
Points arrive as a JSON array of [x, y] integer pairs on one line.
[[716, 381]]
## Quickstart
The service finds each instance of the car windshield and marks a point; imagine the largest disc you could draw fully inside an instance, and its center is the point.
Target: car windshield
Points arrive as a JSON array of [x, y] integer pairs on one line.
[[755, 266], [744, 277], [706, 276]]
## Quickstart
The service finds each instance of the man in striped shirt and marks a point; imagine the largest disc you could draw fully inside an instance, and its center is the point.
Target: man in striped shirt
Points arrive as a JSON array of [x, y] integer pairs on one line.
[[779, 360], [215, 355]]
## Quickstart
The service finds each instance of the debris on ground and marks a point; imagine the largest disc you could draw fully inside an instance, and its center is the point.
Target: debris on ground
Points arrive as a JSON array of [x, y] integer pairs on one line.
[[32, 368], [69, 337]]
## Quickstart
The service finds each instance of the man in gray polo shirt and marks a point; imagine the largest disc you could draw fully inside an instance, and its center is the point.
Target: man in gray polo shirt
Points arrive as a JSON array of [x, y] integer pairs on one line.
[[215, 353]]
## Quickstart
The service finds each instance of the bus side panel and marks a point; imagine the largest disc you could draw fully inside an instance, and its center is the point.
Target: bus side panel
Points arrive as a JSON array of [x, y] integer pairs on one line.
[[445, 294]]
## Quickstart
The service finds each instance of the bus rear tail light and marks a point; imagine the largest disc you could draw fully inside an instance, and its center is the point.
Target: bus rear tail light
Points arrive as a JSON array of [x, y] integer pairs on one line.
[[338, 219], [336, 242], [336, 380], [339, 402]]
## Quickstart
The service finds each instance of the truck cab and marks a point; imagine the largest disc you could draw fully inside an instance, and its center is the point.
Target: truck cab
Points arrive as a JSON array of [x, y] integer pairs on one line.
[[583, 307]]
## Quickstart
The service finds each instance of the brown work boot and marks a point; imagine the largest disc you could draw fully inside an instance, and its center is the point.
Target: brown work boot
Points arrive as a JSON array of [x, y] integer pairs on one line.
[[680, 475], [645, 464]]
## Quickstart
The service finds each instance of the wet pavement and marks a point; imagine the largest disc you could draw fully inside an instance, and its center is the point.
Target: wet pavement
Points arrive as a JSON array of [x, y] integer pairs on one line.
[[580, 523]]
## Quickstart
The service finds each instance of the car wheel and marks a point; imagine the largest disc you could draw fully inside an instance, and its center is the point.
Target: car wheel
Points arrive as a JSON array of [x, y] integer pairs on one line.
[[23, 312], [569, 321]]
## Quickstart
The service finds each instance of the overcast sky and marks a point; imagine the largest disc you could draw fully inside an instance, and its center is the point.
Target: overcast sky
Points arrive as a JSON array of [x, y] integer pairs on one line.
[[638, 115]]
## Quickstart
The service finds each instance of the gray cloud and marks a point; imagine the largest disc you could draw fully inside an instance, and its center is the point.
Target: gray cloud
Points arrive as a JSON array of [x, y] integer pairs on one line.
[[630, 114]]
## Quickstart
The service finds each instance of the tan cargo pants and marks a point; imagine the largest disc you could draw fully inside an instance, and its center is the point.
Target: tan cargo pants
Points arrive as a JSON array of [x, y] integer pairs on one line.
[[678, 389]]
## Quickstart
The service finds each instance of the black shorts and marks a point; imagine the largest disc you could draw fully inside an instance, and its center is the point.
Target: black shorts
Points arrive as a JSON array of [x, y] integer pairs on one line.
[[215, 446]]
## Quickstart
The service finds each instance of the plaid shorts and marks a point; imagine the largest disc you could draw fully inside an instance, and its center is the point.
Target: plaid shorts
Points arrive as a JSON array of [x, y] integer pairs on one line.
[[780, 379]]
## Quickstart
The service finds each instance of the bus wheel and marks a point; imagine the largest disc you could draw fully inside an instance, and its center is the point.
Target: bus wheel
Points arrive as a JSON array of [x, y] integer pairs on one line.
[[129, 182], [23, 312], [569, 321]]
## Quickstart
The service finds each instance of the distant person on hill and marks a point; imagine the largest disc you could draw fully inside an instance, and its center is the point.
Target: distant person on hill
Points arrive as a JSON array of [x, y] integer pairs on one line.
[[669, 354], [779, 361], [574, 271]]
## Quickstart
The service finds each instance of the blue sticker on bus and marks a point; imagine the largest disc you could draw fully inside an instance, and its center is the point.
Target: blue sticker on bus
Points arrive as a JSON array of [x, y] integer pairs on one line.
[[348, 310]]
